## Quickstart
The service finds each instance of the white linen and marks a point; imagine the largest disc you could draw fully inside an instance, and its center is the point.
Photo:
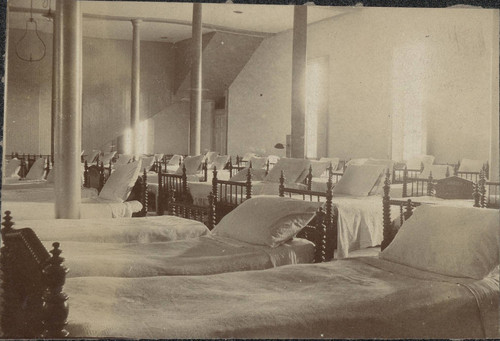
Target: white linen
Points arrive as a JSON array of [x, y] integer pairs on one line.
[[37, 170], [295, 170], [319, 168], [257, 175], [266, 220], [143, 230], [356, 298], [416, 161], [12, 168], [123, 159], [219, 162], [209, 157], [468, 165], [147, 162], [257, 162], [248, 156], [91, 156], [107, 158], [452, 241], [334, 161], [192, 164], [175, 160], [438, 171], [204, 255], [120, 182], [359, 180]]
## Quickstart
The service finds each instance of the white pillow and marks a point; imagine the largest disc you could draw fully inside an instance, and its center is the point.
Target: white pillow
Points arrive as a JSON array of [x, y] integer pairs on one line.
[[258, 162], [209, 157], [417, 161], [174, 160], [468, 165], [91, 156], [121, 181], [219, 162], [294, 170], [452, 241], [257, 175], [356, 162], [358, 180], [248, 156], [147, 162], [389, 164], [267, 220], [107, 157], [123, 159], [12, 168], [438, 171], [334, 161], [37, 170], [319, 167], [192, 164]]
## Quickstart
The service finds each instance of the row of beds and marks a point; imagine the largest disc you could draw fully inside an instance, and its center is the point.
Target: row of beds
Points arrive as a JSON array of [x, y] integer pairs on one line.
[[193, 294]]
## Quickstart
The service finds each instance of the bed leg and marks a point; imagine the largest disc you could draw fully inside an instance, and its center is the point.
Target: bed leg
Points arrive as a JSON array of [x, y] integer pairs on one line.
[[9, 299], [430, 185], [386, 203], [282, 185], [55, 305], [405, 182], [248, 185], [144, 198], [159, 195]]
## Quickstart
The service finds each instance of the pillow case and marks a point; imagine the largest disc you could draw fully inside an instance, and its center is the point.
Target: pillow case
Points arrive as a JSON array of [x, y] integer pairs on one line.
[[319, 167], [267, 220], [257, 162], [248, 156], [121, 181], [192, 164], [147, 162], [416, 161], [123, 159], [257, 175], [438, 171], [158, 157], [293, 169], [37, 170], [452, 241], [107, 157], [174, 160], [219, 162], [356, 162], [12, 168], [334, 161], [468, 165], [359, 180], [209, 157], [91, 156]]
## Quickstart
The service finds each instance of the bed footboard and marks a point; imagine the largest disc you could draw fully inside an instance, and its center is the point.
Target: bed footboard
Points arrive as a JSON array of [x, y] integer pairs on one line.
[[34, 304]]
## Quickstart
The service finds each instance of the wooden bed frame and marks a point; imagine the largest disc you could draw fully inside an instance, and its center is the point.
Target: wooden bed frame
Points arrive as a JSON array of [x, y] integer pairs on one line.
[[96, 176], [28, 161]]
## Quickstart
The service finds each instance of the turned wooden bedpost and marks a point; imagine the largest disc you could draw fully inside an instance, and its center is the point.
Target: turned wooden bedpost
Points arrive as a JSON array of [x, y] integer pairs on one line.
[[267, 167], [482, 188], [144, 197], [55, 305], [330, 236], [230, 166], [430, 185], [212, 215], [309, 178], [409, 209], [405, 179], [101, 175], [204, 167], [86, 182], [184, 181], [248, 184], [282, 185], [476, 195], [249, 164], [386, 207], [215, 193], [159, 195], [9, 300], [321, 245], [23, 171]]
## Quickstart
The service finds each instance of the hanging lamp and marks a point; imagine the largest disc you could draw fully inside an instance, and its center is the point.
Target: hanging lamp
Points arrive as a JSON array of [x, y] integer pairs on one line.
[[26, 45]]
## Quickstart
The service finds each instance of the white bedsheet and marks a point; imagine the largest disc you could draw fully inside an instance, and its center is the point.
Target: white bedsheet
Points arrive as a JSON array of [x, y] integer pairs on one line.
[[126, 230], [194, 256], [354, 298]]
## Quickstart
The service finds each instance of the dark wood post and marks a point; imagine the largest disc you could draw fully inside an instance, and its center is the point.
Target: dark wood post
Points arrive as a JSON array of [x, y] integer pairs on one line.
[[282, 185], [144, 190], [405, 179], [86, 182], [159, 195], [8, 321], [55, 305], [387, 223], [248, 184], [430, 185], [212, 215], [309, 178], [184, 181]]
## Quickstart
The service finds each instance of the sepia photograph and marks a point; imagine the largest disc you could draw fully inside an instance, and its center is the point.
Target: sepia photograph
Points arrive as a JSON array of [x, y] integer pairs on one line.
[[196, 170]]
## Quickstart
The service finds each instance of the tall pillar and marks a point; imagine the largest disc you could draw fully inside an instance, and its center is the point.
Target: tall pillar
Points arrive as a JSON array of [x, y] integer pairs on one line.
[[56, 43], [68, 138], [136, 87], [196, 85], [299, 70], [495, 100]]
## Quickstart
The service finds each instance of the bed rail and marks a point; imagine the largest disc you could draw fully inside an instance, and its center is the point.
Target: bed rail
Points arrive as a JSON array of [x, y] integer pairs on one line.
[[34, 303]]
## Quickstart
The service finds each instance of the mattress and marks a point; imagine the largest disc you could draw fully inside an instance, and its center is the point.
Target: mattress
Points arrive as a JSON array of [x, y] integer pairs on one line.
[[320, 184], [194, 256], [353, 298], [126, 230]]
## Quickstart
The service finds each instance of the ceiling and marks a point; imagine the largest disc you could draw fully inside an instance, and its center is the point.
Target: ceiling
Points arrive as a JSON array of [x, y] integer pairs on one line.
[[168, 21]]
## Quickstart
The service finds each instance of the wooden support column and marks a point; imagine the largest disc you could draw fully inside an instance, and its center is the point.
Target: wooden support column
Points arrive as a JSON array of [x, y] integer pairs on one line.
[[135, 117], [68, 138], [196, 84], [56, 44], [495, 100], [299, 70]]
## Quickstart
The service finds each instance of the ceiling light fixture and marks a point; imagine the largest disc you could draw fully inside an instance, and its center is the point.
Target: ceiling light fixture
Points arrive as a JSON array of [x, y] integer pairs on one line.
[[26, 45]]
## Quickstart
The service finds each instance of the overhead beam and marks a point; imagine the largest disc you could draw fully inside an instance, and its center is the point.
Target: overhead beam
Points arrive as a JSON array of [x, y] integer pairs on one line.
[[217, 28]]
